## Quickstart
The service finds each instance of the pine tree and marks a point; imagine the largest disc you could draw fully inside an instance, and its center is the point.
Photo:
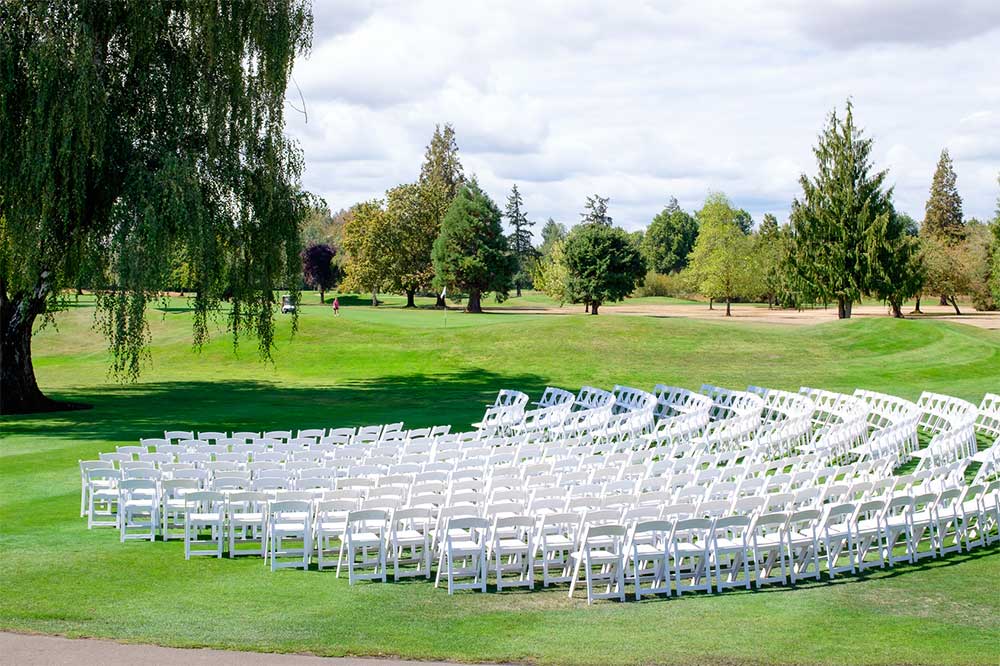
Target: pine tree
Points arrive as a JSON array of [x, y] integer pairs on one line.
[[596, 211], [841, 222], [442, 165], [943, 216], [441, 160], [471, 254], [552, 232], [520, 237]]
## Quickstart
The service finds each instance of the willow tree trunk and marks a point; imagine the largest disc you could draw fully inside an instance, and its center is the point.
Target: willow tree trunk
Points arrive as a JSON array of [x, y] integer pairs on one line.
[[475, 301], [19, 392], [410, 293], [844, 308]]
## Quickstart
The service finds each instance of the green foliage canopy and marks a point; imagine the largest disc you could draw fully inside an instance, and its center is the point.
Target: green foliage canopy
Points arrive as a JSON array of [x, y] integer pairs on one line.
[[602, 262], [669, 239], [130, 130]]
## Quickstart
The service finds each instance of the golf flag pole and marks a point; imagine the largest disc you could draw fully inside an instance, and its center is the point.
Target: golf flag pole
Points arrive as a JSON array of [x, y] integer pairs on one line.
[[444, 292]]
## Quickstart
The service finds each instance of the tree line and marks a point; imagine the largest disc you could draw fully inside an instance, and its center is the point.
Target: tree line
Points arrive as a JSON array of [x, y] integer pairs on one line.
[[845, 241]]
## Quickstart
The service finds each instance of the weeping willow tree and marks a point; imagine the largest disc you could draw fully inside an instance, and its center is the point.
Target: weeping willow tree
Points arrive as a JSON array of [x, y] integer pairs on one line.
[[132, 132]]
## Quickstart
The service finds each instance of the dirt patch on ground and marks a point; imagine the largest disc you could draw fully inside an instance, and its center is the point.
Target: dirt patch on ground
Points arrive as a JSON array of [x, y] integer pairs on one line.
[[747, 313]]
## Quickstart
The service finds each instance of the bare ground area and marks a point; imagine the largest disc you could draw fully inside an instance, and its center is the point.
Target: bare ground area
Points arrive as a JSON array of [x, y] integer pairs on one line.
[[32, 649], [756, 313]]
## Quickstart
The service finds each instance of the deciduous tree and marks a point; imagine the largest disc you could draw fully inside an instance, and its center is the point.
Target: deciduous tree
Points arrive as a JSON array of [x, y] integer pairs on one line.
[[415, 212], [602, 261], [550, 275], [368, 239], [129, 129], [669, 239], [722, 262], [318, 269]]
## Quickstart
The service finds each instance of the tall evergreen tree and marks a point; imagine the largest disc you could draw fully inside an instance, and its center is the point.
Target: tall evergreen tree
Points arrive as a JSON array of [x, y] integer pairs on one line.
[[520, 237], [669, 239], [442, 164], [897, 270], [471, 254], [943, 214], [596, 211], [841, 222], [552, 232], [130, 130], [441, 160]]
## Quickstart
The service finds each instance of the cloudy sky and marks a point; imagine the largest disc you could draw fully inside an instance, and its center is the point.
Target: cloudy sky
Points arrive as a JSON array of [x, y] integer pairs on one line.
[[640, 101]]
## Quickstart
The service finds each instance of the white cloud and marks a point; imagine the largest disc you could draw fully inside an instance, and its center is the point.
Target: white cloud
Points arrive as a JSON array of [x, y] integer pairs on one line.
[[641, 102]]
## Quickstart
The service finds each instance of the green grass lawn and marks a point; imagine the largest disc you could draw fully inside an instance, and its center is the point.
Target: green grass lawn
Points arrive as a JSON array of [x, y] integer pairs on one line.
[[389, 364]]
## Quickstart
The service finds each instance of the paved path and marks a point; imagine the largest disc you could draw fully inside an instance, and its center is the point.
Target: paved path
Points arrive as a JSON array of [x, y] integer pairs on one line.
[[32, 649]]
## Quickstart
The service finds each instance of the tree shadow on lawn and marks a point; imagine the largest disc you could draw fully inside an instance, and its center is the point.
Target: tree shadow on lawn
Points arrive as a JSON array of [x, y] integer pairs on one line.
[[128, 412]]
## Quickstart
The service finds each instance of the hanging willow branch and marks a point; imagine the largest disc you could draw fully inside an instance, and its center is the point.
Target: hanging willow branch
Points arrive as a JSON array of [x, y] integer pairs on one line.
[[134, 131]]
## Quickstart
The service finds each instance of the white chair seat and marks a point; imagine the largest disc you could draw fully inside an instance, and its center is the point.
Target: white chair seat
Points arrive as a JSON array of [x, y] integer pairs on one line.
[[512, 545], [645, 550], [599, 556], [365, 539], [205, 517]]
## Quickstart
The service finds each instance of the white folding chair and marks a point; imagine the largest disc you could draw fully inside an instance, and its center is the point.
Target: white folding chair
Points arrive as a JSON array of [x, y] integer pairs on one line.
[[602, 558], [648, 557], [730, 550], [363, 545], [511, 551], [138, 509], [247, 518], [330, 524], [289, 520], [410, 542], [556, 542], [689, 548], [204, 516], [803, 544], [463, 553], [102, 497], [768, 538], [837, 537]]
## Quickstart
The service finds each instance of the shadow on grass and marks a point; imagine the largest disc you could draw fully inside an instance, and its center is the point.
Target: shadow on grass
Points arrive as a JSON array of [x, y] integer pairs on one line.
[[123, 413]]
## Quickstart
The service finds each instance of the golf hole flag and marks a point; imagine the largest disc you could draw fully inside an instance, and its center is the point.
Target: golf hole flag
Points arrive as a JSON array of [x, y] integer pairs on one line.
[[444, 292]]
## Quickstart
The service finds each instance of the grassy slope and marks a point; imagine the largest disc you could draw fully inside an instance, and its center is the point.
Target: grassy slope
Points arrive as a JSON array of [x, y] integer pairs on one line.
[[370, 366]]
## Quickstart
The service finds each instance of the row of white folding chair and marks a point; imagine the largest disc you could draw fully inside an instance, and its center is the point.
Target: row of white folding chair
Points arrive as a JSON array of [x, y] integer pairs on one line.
[[288, 472]]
